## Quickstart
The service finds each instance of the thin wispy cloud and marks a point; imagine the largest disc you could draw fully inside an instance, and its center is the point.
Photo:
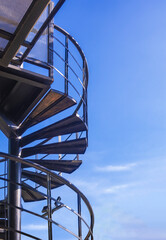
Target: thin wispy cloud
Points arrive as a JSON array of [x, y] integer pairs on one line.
[[115, 189], [35, 227], [118, 168]]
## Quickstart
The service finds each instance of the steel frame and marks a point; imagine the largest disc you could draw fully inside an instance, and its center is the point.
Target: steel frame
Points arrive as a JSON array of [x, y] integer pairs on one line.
[[14, 161]]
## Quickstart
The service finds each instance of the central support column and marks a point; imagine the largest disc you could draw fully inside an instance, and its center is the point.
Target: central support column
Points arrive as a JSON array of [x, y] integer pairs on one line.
[[14, 192]]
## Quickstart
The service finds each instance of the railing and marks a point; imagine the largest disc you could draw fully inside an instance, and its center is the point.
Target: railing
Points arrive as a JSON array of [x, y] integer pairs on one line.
[[83, 69], [49, 210], [67, 66], [74, 75]]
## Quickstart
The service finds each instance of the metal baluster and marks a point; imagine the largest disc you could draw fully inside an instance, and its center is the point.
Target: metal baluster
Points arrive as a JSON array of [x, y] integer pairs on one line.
[[84, 118], [36, 185], [79, 219], [59, 140], [77, 138], [91, 230], [66, 65], [85, 105], [60, 155], [50, 41], [5, 205], [49, 207], [14, 191]]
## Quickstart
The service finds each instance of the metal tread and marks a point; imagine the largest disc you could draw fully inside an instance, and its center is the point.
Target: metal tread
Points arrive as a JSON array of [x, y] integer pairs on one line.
[[30, 194], [77, 146], [3, 209], [53, 103], [3, 227], [2, 235], [41, 179], [66, 166], [67, 125]]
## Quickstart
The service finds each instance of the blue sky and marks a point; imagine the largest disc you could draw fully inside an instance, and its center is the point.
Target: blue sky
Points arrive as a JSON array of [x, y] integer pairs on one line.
[[123, 171]]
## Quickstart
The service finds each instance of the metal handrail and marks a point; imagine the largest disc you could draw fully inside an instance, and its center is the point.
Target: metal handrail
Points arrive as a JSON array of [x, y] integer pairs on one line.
[[61, 179], [43, 216], [85, 67], [67, 50], [68, 66], [65, 33]]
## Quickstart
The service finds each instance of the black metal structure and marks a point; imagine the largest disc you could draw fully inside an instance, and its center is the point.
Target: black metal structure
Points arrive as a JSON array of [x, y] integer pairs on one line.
[[43, 113]]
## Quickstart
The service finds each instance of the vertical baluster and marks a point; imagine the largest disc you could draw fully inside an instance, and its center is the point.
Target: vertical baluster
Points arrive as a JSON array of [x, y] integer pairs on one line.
[[79, 219], [84, 107], [77, 138], [36, 185], [66, 65], [14, 191], [49, 207], [91, 230], [50, 54], [59, 140], [5, 205]]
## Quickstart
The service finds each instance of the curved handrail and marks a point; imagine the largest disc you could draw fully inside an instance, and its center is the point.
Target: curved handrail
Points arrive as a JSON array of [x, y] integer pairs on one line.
[[65, 33], [38, 62], [61, 179]]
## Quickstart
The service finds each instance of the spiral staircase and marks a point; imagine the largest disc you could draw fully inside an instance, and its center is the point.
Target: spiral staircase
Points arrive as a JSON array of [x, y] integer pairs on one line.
[[43, 113]]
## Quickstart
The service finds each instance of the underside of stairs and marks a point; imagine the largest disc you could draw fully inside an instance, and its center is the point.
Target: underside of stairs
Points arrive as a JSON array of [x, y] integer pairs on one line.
[[43, 113], [65, 166]]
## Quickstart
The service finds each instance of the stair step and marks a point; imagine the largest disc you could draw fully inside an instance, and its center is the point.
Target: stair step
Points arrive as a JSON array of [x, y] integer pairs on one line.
[[68, 125], [30, 194], [3, 232], [66, 166], [20, 90], [2, 236], [77, 146], [3, 214], [53, 103], [40, 179]]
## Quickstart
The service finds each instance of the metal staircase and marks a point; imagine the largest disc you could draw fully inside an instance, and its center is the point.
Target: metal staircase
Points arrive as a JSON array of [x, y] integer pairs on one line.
[[47, 129]]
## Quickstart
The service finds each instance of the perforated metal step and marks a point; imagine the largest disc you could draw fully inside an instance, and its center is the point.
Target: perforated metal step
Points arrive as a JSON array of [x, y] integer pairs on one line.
[[66, 166], [77, 146], [41, 179], [30, 194], [68, 125], [53, 103]]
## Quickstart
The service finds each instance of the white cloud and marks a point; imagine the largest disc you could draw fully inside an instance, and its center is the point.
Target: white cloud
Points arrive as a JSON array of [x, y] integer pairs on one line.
[[35, 227], [118, 168], [115, 189]]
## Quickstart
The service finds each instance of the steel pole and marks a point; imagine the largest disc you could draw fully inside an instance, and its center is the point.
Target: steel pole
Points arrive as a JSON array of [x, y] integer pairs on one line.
[[49, 207], [79, 219], [14, 192], [50, 57]]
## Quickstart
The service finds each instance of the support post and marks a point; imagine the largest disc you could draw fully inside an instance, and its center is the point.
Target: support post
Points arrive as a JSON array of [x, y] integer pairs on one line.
[[77, 138], [66, 64], [79, 219], [84, 93], [14, 192], [49, 207], [50, 41]]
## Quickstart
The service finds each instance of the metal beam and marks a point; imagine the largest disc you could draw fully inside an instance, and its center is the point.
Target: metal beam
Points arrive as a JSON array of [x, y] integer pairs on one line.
[[14, 192], [7, 127], [43, 27], [8, 36], [24, 27], [25, 76], [50, 57]]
